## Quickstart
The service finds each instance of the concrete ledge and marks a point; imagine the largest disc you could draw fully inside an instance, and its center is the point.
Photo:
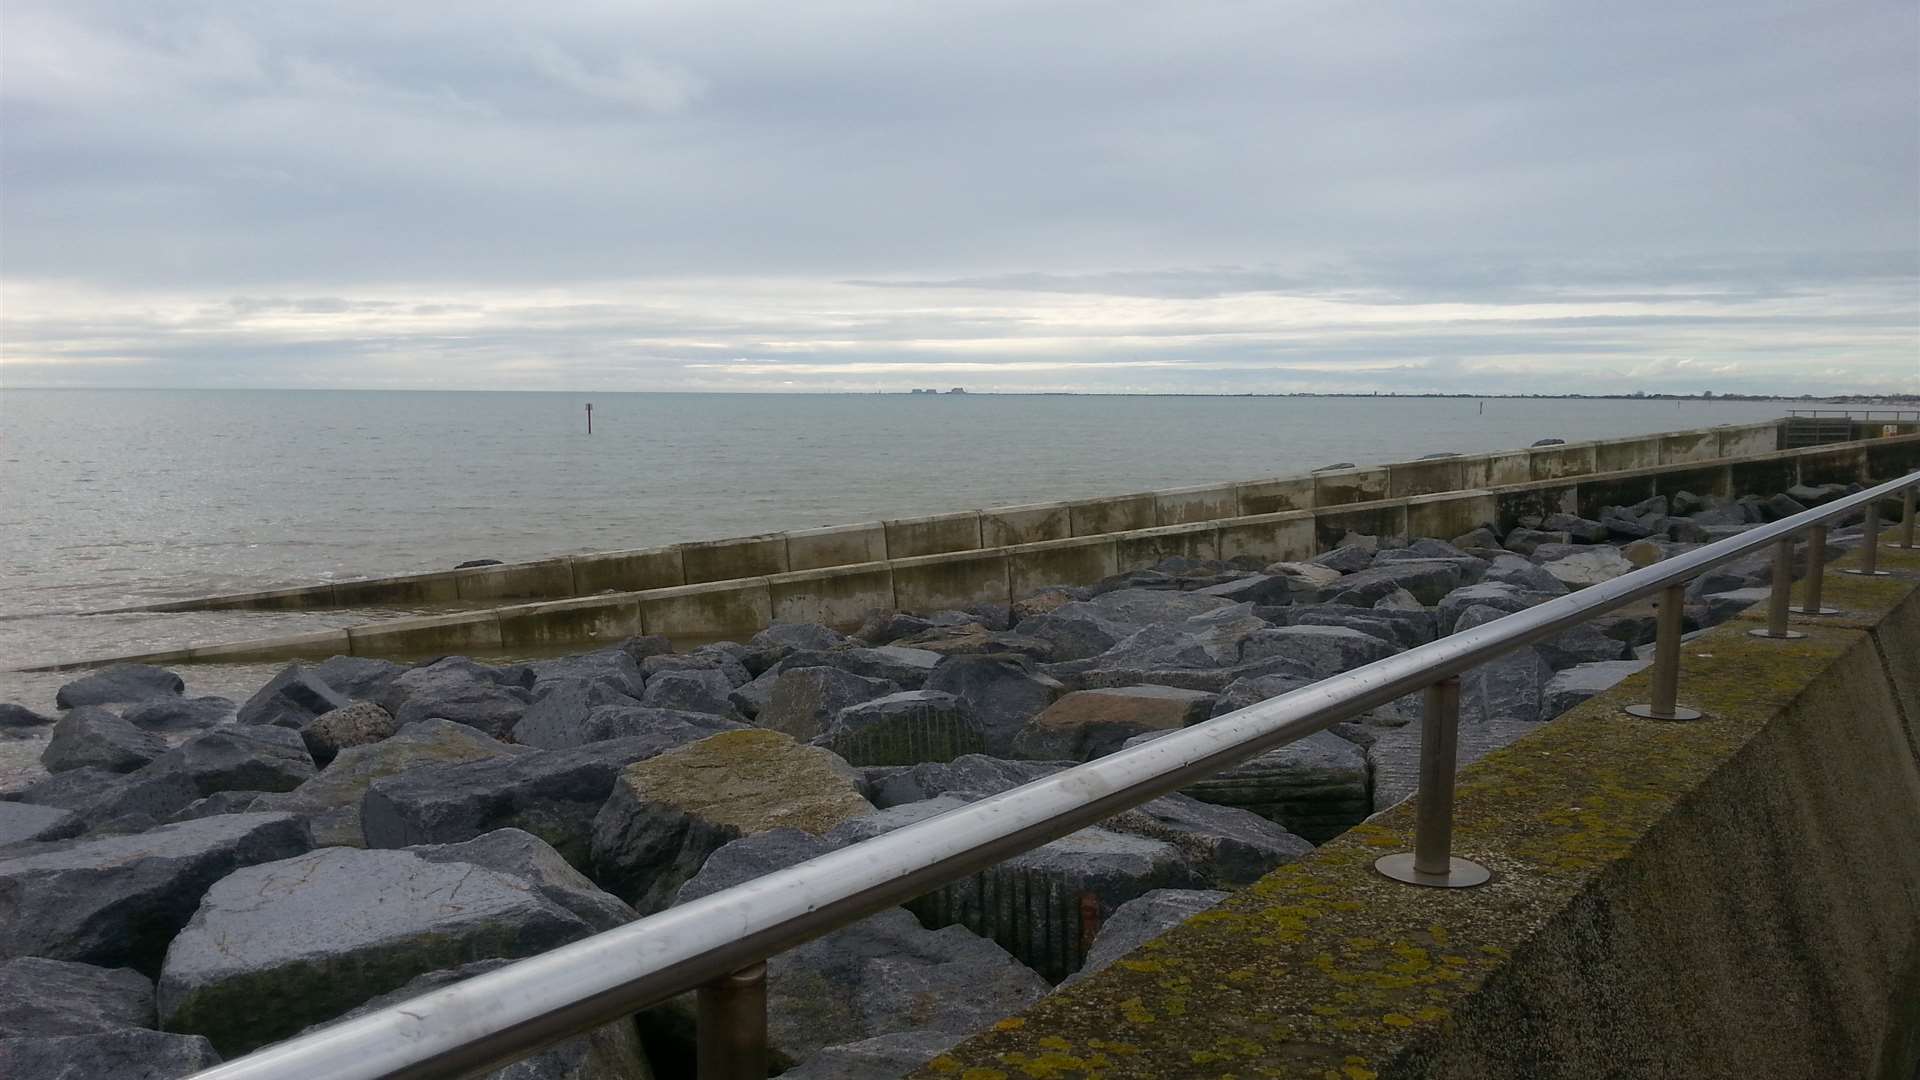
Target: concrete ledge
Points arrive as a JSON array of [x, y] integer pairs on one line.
[[1343, 486], [1557, 462], [1448, 515], [628, 571], [838, 545], [909, 537], [946, 582], [738, 557], [517, 581], [562, 622], [1274, 496], [1736, 897], [321, 644], [439, 587], [1085, 558], [709, 610], [1426, 477], [1004, 526], [434, 635], [839, 597], [1184, 506], [1285, 537], [1144, 547], [1330, 524]]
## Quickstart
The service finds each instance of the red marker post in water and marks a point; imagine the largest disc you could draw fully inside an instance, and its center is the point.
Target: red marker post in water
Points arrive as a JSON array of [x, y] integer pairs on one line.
[[589, 417]]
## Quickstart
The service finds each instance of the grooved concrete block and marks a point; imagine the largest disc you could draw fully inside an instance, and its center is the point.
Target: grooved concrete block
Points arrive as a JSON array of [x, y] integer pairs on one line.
[[904, 729]]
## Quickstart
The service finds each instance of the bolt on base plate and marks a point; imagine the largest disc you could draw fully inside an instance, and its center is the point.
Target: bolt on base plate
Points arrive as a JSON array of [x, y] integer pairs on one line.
[[1763, 632], [1461, 873], [1646, 712]]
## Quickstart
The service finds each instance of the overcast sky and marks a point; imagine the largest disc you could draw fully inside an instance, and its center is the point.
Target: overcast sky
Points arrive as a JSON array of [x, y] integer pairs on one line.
[[1186, 196]]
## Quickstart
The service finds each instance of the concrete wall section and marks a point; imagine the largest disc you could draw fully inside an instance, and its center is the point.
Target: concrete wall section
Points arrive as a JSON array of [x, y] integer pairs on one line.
[[1704, 480], [1056, 562], [442, 587], [840, 597], [837, 545], [1145, 547], [1843, 465], [1092, 517], [946, 582], [628, 571], [1287, 537], [909, 537], [318, 645], [1742, 440], [741, 607], [1004, 526], [1558, 462], [1683, 447], [741, 557], [568, 622], [1343, 486], [1274, 496], [517, 581], [1450, 514], [1331, 524], [1732, 898], [1184, 506], [1426, 477], [1602, 490], [1619, 455], [1537, 500], [433, 635]]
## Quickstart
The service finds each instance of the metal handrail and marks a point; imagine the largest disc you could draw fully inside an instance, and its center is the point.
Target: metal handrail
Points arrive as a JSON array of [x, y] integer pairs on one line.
[[717, 944]]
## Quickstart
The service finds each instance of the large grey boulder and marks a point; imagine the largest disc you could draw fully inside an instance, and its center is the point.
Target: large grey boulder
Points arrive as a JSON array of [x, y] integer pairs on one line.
[[22, 822], [562, 731], [41, 997], [729, 666], [900, 664], [277, 947], [611, 671], [1315, 787], [123, 1054], [1576, 684], [1589, 567], [1140, 920], [358, 724], [526, 856], [123, 801], [120, 683], [362, 678], [1581, 530], [456, 689], [291, 698], [882, 975], [1138, 607], [1404, 628], [701, 691], [667, 814], [1325, 650], [1528, 541], [1427, 579], [904, 729], [93, 737], [1005, 691], [553, 794], [116, 901], [612, 1052], [1224, 846], [1076, 630], [1523, 574], [883, 1057], [973, 774], [331, 800], [564, 704], [1087, 724], [1582, 644], [1347, 559], [16, 717], [806, 700], [1500, 596], [179, 713], [240, 758], [1506, 689]]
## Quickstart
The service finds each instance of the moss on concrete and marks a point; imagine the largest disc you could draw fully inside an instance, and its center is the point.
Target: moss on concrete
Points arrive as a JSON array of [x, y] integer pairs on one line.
[[1324, 969]]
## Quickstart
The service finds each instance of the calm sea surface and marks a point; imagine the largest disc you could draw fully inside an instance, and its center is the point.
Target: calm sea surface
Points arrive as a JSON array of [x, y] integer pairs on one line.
[[111, 497]]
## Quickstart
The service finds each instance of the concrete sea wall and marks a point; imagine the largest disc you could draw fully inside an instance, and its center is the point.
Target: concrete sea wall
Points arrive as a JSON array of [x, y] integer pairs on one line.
[[997, 527], [1733, 897], [841, 594]]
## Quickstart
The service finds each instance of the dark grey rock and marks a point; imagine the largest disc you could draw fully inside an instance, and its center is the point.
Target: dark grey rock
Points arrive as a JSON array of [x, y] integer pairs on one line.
[[1224, 846], [93, 737], [701, 691], [797, 636], [456, 689], [1427, 579], [240, 758], [1405, 629], [1582, 530], [1507, 689], [1578, 683], [1325, 650], [1480, 539], [117, 901], [98, 797], [120, 683], [754, 696], [883, 1057], [1500, 596], [1315, 787], [806, 700], [972, 774], [179, 714], [1087, 724], [524, 855], [646, 645], [277, 947], [612, 671], [1267, 589], [362, 678], [904, 729], [22, 822], [1582, 644], [552, 794], [1528, 541], [1522, 574], [1782, 506], [1589, 567], [1138, 607], [293, 697], [1346, 560], [1548, 442], [220, 802], [732, 669], [1717, 608], [19, 716], [125, 1054], [906, 666], [1075, 630], [358, 724], [556, 729], [41, 997], [1141, 920], [1004, 691], [564, 704]]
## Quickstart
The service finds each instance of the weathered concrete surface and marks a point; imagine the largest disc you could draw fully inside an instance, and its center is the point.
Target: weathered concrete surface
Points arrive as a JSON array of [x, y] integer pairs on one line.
[[1734, 897]]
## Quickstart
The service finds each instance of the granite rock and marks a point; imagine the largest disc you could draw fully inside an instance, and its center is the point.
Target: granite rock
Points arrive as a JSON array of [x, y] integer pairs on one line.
[[41, 997], [120, 683], [904, 729], [94, 737]]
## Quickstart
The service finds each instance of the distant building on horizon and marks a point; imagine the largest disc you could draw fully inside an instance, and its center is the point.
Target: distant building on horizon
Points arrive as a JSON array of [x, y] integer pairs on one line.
[[958, 390]]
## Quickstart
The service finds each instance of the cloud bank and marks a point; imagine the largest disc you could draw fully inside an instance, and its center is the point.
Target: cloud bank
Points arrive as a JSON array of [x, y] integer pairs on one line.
[[1214, 197]]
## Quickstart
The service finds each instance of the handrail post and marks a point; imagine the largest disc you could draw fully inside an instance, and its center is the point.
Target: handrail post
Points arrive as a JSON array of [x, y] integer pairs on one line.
[[1431, 862], [732, 1037], [1906, 519], [1870, 550], [1666, 661], [1781, 598], [1816, 571]]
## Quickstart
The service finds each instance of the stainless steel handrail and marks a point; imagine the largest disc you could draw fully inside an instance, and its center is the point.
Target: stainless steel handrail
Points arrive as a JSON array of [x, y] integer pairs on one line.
[[496, 1018]]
